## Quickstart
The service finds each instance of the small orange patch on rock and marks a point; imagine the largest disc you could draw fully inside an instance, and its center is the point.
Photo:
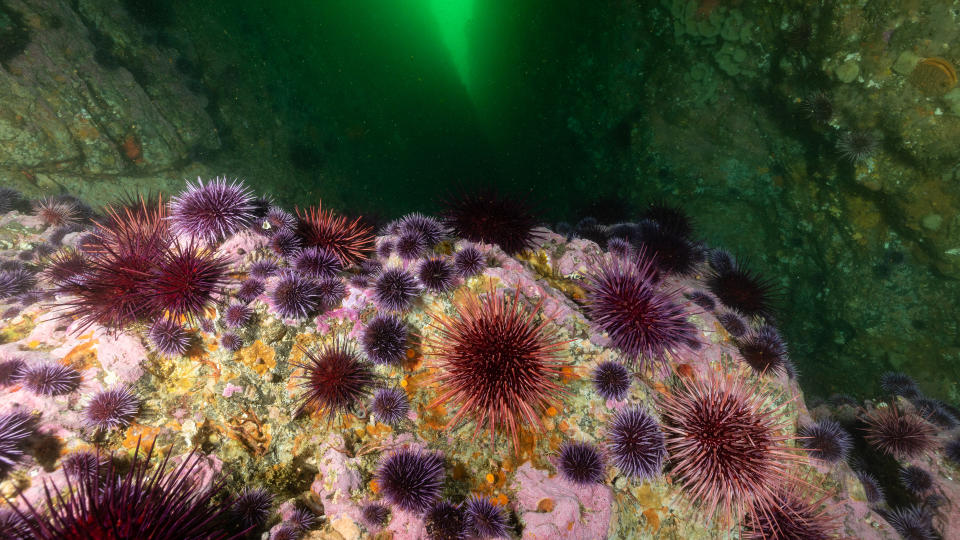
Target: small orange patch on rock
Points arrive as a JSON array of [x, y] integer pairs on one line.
[[501, 500], [83, 356], [132, 150], [258, 357], [653, 519], [490, 478], [374, 485], [686, 371], [545, 505], [552, 411]]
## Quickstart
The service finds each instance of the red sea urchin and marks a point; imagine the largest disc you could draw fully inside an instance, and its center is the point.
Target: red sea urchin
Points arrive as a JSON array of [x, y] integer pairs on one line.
[[727, 444], [334, 380], [411, 479], [185, 280], [351, 241], [901, 435], [793, 515], [642, 322], [212, 211], [134, 504], [496, 363], [489, 217]]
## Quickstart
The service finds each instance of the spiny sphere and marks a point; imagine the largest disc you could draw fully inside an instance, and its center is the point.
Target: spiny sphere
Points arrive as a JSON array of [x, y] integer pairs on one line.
[[84, 463], [295, 296], [912, 522], [390, 405], [740, 289], [263, 268], [66, 265], [252, 507], [212, 211], [917, 480], [497, 364], [317, 262], [285, 243], [411, 479], [11, 371], [445, 521], [431, 228], [237, 315], [732, 323], [349, 240], [334, 380], [186, 280], [15, 281], [636, 443], [871, 487], [51, 379], [581, 463], [168, 338], [55, 212], [489, 217], [641, 321], [764, 351], [15, 428], [250, 289], [385, 340], [899, 384], [901, 435], [158, 505], [826, 440], [469, 262], [611, 380], [375, 515], [231, 341], [436, 274], [112, 408], [483, 518], [727, 444], [395, 289], [951, 449], [794, 515]]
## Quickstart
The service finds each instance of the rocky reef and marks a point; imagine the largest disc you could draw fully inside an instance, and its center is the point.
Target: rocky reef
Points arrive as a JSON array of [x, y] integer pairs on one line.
[[515, 388]]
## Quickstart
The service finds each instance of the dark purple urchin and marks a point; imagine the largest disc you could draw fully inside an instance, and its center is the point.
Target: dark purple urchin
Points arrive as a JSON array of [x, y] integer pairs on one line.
[[951, 450], [411, 479], [81, 464], [619, 247], [671, 219], [636, 444], [331, 291], [64, 266], [301, 519], [285, 243], [112, 408], [483, 518], [333, 380], [935, 411], [212, 211], [792, 515], [295, 296], [231, 342], [912, 523], [384, 339], [430, 228], [899, 384], [11, 371], [250, 289], [436, 274], [237, 315], [375, 515], [317, 262], [702, 299], [49, 379], [493, 219], [672, 254], [395, 289], [278, 219], [611, 379], [137, 503], [263, 268], [252, 507], [901, 435], [168, 338], [818, 107], [641, 321], [15, 428], [385, 248], [410, 246], [917, 480], [390, 405], [185, 280], [16, 281], [445, 521], [857, 146], [9, 199], [287, 532], [826, 440], [581, 463], [764, 351], [469, 262], [740, 289], [871, 487]]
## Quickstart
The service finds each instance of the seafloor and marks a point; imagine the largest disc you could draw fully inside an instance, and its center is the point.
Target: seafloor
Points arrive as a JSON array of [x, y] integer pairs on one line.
[[237, 407]]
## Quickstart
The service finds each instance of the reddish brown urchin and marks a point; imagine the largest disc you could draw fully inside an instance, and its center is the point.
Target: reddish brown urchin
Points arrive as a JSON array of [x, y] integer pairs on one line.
[[351, 241], [497, 364], [901, 435], [334, 380], [186, 279], [727, 443]]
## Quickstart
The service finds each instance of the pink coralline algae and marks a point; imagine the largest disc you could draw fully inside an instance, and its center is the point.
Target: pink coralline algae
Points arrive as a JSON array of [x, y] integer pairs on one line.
[[578, 511]]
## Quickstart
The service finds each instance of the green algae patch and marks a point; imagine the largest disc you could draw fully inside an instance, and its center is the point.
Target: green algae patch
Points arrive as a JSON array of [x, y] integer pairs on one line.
[[17, 331]]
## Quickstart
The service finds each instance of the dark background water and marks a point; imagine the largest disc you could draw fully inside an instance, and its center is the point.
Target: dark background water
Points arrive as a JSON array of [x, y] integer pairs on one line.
[[585, 109]]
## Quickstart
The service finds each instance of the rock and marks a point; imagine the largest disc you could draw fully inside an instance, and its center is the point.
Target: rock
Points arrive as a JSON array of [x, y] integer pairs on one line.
[[847, 72]]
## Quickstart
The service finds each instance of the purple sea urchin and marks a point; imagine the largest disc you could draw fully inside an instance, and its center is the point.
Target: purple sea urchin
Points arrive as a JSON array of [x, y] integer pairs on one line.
[[384, 339], [641, 321], [294, 296], [51, 379], [16, 281], [764, 351], [301, 519], [636, 443], [15, 428], [375, 515], [237, 315], [917, 480], [252, 506], [317, 262], [285, 243], [436, 274], [263, 268], [250, 289], [912, 522], [581, 463], [899, 384], [935, 411], [611, 380], [395, 289], [411, 479], [857, 146], [445, 521], [112, 408], [231, 342], [410, 246], [469, 262], [499, 366], [489, 217], [333, 380], [431, 229], [168, 338], [702, 299], [826, 440], [390, 405], [483, 518], [671, 254], [871, 487], [619, 247], [792, 515], [81, 464], [212, 211], [740, 289], [902, 435], [11, 371], [951, 450], [818, 107], [331, 291]]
